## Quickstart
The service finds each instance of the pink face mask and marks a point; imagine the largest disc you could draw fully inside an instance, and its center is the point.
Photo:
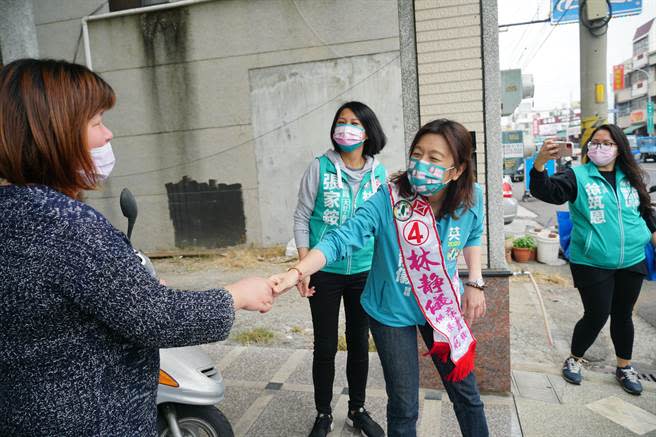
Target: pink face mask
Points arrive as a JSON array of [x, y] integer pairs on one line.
[[348, 136], [603, 155]]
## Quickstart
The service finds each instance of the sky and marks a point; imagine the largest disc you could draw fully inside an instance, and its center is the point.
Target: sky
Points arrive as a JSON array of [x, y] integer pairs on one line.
[[555, 65]]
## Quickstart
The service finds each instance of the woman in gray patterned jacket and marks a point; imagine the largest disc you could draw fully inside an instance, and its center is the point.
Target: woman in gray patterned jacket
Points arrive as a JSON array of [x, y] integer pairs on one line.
[[81, 321]]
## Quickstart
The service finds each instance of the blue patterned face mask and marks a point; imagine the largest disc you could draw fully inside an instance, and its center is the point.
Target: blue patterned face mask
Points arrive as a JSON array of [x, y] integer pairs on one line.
[[426, 178]]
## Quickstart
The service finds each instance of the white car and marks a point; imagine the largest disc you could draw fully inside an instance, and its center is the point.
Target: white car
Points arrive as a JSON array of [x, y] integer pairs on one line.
[[509, 202]]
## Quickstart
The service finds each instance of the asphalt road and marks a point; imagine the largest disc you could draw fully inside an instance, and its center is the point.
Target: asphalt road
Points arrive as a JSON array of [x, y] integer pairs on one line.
[[547, 213]]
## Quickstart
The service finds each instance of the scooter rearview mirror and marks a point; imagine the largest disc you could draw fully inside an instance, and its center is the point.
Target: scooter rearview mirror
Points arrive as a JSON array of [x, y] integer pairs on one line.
[[129, 209]]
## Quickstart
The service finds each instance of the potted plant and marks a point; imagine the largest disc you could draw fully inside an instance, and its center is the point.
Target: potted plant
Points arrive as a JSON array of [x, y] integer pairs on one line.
[[524, 249], [508, 244]]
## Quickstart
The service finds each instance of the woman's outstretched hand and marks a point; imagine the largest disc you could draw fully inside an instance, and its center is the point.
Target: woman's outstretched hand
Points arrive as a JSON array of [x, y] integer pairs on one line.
[[284, 281]]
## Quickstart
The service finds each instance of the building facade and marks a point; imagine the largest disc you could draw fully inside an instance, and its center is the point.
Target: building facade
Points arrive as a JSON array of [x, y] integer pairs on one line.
[[639, 82], [222, 104]]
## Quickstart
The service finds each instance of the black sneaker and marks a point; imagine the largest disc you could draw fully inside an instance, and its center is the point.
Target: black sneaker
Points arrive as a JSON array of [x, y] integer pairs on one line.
[[323, 424], [628, 379], [572, 370], [362, 421]]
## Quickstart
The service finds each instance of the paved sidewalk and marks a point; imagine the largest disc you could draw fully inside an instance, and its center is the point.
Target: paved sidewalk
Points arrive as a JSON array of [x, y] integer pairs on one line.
[[549, 406], [546, 404], [269, 390], [269, 393]]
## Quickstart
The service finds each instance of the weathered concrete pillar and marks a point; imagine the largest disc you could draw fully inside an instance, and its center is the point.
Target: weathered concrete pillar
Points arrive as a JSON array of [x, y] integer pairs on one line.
[[17, 30], [450, 66]]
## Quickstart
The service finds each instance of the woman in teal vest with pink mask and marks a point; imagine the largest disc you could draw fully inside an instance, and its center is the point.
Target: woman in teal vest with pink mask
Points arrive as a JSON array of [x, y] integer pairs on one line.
[[332, 188], [612, 222]]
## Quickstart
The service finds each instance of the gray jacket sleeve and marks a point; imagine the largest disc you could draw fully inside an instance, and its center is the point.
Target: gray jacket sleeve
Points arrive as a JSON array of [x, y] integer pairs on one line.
[[307, 195]]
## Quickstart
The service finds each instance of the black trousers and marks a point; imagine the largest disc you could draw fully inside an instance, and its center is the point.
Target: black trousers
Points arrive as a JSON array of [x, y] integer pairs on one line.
[[615, 296], [331, 288]]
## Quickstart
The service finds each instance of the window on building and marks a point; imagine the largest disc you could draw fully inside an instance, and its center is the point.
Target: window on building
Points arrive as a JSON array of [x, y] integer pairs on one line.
[[638, 76], [623, 109], [639, 103], [641, 46]]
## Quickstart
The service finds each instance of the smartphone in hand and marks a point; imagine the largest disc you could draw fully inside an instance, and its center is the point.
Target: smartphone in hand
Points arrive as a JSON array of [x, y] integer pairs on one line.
[[565, 148]]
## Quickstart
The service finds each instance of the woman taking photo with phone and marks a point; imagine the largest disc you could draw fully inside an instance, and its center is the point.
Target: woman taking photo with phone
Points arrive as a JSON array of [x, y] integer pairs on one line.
[[611, 215], [332, 188]]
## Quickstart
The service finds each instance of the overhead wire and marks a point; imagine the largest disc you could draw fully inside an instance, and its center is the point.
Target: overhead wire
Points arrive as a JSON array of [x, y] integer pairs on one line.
[[521, 38], [536, 51]]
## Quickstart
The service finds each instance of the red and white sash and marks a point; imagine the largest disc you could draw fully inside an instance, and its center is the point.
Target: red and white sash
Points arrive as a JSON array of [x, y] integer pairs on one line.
[[435, 292]]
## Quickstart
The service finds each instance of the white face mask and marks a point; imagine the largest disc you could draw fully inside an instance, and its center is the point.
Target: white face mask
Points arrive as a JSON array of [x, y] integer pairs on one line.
[[104, 160]]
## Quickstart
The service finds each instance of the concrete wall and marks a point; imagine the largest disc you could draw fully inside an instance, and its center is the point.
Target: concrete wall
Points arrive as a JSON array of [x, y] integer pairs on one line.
[[17, 31], [183, 85], [58, 26], [306, 95]]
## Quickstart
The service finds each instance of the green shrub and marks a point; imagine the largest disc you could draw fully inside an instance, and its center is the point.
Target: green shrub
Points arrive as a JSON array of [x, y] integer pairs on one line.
[[526, 242]]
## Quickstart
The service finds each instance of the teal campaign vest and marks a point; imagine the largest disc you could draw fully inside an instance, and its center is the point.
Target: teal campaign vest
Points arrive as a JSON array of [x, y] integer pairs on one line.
[[334, 205], [608, 231]]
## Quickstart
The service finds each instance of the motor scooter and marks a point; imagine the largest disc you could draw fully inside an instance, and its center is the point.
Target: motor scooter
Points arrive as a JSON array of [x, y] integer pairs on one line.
[[189, 384]]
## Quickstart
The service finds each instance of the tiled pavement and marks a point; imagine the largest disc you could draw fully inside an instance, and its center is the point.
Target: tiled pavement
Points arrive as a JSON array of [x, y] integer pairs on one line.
[[269, 393], [548, 406]]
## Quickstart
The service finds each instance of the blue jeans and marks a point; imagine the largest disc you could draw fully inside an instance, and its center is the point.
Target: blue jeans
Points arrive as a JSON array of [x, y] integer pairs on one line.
[[397, 348]]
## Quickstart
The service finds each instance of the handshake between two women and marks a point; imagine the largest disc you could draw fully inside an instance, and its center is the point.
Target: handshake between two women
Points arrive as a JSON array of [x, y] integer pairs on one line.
[[258, 294]]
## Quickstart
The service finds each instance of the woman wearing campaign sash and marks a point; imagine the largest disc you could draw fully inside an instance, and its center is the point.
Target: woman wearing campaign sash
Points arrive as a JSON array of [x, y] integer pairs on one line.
[[420, 223], [332, 188], [612, 221]]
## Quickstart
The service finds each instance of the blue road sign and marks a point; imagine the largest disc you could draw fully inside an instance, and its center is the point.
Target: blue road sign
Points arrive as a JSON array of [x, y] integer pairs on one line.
[[567, 11]]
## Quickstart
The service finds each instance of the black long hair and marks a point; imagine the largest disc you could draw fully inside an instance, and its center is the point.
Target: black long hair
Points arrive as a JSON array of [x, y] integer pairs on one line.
[[376, 138], [634, 173], [459, 193]]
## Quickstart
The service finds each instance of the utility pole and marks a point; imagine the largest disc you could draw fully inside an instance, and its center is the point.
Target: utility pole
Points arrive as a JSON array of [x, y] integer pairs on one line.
[[594, 16]]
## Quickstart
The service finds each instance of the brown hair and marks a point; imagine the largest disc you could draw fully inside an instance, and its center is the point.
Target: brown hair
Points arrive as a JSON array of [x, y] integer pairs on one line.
[[45, 106], [459, 193]]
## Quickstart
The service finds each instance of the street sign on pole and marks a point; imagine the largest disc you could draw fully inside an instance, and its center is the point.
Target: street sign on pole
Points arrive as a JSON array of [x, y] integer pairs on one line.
[[513, 143], [650, 117], [567, 11]]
